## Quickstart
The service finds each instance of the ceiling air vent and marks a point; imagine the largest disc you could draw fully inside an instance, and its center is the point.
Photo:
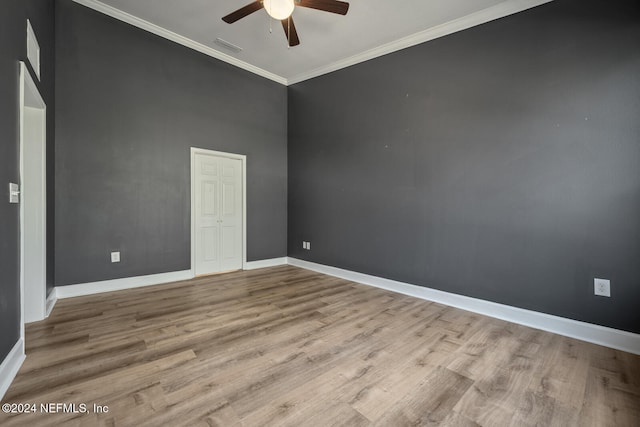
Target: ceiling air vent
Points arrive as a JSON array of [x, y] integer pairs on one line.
[[229, 46]]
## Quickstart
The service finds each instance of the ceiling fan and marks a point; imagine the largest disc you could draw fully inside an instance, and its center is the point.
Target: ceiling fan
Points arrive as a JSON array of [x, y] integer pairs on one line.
[[282, 10]]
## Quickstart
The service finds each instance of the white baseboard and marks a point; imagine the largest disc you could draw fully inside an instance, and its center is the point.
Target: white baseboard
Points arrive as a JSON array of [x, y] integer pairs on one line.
[[609, 337], [70, 291], [51, 302], [10, 366], [273, 262]]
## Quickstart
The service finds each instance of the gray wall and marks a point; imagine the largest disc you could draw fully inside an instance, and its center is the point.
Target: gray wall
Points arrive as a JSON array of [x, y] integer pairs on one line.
[[13, 27], [129, 106], [502, 163]]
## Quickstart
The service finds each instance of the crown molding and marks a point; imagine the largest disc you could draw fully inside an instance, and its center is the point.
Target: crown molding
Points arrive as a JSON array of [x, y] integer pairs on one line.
[[492, 13], [177, 38]]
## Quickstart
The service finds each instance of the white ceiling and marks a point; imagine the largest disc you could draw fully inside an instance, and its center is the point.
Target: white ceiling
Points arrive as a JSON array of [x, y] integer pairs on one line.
[[327, 41]]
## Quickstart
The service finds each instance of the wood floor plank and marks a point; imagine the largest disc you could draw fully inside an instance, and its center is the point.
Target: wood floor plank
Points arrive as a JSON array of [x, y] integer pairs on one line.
[[385, 384], [429, 403], [284, 346], [563, 374]]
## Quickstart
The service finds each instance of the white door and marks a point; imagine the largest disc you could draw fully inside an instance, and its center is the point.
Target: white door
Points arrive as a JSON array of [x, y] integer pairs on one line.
[[218, 214], [33, 199]]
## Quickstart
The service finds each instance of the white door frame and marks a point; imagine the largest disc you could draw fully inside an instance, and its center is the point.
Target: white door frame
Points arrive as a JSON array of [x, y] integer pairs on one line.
[[243, 159], [30, 98]]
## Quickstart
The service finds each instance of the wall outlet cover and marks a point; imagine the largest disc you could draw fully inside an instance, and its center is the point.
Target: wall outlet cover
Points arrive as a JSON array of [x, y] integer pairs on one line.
[[115, 256], [602, 287], [14, 193]]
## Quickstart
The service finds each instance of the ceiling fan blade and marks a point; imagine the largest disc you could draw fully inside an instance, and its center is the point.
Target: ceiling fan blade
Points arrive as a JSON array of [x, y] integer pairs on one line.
[[333, 6], [288, 26], [242, 12]]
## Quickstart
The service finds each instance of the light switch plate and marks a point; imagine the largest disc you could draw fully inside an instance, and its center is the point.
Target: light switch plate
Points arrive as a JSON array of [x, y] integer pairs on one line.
[[14, 193], [115, 256]]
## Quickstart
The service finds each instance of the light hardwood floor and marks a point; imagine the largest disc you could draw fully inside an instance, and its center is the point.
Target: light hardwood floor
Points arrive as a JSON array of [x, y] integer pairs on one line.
[[288, 347]]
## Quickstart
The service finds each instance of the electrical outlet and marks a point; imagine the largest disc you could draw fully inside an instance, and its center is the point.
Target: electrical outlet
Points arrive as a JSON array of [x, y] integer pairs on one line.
[[115, 256], [308, 246], [602, 287], [304, 245]]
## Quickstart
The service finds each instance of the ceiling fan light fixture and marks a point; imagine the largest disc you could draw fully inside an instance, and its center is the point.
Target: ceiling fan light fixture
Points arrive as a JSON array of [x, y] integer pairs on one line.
[[279, 9]]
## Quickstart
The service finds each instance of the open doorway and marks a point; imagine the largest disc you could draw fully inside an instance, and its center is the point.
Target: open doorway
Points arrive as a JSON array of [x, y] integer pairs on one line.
[[33, 257]]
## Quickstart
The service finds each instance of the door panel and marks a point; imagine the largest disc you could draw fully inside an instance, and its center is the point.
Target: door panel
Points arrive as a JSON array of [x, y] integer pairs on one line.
[[231, 211], [209, 168], [229, 170], [229, 245], [228, 199], [210, 244], [209, 198]]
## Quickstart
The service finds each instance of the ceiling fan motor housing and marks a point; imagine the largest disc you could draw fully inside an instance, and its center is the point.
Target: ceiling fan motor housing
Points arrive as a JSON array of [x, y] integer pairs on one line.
[[282, 10], [279, 9]]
